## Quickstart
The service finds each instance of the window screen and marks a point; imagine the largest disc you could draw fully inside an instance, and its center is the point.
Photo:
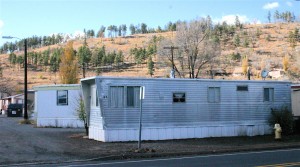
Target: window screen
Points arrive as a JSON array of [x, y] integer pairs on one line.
[[133, 96], [214, 94], [268, 94], [116, 98]]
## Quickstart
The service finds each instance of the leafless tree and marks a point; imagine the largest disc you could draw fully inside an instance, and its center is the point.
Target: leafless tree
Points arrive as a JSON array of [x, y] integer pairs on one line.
[[195, 48], [6, 86]]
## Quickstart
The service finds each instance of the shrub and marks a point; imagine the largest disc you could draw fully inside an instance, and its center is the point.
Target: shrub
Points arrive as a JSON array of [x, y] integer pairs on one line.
[[268, 38], [235, 56], [284, 117], [80, 111]]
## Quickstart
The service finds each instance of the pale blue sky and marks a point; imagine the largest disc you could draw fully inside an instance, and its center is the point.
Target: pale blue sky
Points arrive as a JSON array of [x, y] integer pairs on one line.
[[25, 18]]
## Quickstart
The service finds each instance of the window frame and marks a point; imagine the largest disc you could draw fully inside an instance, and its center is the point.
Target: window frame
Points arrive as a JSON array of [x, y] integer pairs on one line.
[[179, 101], [134, 97], [122, 105], [242, 86], [216, 100], [57, 98], [270, 94]]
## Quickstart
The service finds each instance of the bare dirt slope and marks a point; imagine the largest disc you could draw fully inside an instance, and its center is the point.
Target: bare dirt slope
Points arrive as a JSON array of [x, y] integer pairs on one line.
[[268, 45]]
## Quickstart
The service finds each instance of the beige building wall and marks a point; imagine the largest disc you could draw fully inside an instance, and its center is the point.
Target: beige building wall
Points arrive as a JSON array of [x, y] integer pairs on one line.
[[296, 100]]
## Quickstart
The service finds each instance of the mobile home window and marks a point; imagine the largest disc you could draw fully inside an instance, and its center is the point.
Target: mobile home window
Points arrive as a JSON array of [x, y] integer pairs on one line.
[[178, 97], [133, 96], [242, 88], [269, 94], [214, 94], [116, 98], [62, 97]]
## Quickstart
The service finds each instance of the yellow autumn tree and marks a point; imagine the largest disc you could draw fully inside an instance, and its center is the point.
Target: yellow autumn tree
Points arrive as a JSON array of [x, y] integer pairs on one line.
[[285, 63], [245, 65], [68, 68]]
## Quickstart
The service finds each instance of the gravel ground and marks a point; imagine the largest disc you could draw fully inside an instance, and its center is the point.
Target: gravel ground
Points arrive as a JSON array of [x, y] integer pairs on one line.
[[25, 143]]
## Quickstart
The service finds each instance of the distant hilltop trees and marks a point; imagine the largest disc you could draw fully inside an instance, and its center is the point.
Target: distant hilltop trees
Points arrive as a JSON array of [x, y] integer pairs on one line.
[[122, 30], [111, 31], [282, 16]]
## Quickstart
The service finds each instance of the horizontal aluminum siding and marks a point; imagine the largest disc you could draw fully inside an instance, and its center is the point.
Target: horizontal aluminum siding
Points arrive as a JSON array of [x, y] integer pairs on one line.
[[159, 110]]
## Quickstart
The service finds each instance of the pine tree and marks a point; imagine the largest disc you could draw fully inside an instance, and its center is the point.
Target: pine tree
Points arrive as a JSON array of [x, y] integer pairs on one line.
[[144, 28], [118, 58], [55, 59], [237, 40], [150, 65], [84, 56], [120, 30], [237, 22], [124, 30], [20, 60], [293, 39], [101, 32], [68, 69], [276, 15], [269, 17], [12, 58]]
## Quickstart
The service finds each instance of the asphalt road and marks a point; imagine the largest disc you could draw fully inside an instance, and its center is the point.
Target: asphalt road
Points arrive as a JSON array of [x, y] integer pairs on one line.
[[274, 158], [24, 145]]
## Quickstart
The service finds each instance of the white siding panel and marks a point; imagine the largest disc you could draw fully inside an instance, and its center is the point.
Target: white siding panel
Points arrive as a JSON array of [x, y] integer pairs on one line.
[[48, 113], [237, 112]]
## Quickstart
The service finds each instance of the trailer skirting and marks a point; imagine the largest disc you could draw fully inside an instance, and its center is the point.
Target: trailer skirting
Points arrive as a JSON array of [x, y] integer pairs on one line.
[[169, 133], [59, 122]]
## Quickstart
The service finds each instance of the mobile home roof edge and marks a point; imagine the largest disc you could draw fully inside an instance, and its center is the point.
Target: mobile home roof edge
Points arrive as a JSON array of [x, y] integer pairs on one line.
[[57, 87], [183, 79]]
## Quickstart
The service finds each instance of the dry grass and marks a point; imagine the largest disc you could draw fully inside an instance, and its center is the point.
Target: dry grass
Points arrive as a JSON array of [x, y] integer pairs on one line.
[[27, 121]]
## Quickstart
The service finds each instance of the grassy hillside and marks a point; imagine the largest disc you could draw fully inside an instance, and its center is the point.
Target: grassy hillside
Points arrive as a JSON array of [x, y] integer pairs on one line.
[[267, 45]]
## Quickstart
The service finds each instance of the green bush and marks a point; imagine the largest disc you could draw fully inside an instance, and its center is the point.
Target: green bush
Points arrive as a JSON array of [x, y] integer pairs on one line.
[[284, 117], [235, 56]]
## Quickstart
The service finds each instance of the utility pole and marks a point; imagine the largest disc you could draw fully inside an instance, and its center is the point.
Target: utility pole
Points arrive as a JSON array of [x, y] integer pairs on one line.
[[142, 96], [172, 53], [25, 80]]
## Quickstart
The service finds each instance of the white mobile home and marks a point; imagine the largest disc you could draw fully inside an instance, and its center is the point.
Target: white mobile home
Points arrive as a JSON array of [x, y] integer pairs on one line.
[[180, 108], [55, 105]]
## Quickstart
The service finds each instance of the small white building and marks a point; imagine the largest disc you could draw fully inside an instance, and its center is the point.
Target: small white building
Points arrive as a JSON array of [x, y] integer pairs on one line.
[[276, 73], [55, 105]]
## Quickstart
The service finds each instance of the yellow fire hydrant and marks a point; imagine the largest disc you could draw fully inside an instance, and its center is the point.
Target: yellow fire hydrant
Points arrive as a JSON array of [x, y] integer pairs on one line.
[[277, 131]]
